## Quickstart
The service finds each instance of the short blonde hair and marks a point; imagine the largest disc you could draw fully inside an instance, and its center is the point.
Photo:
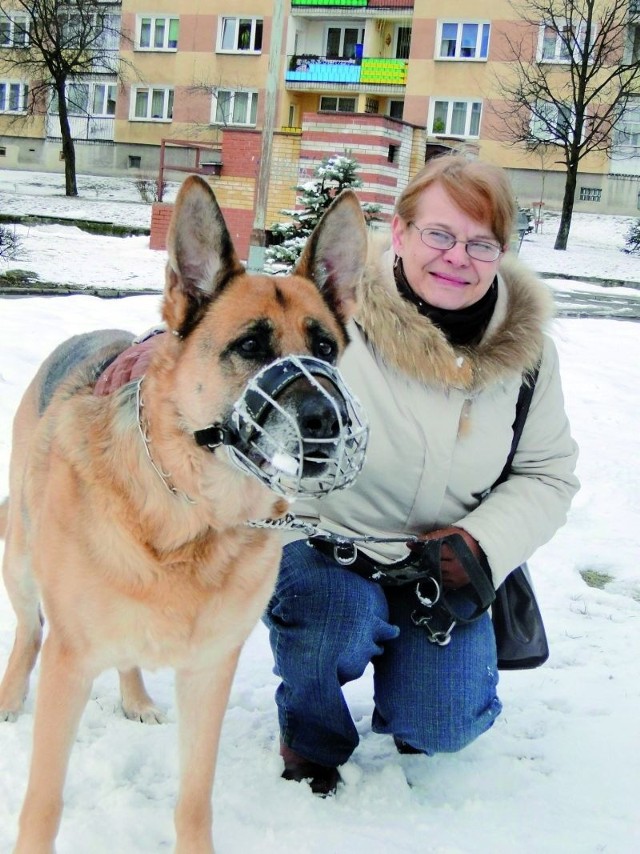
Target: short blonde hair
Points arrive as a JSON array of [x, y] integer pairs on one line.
[[480, 190]]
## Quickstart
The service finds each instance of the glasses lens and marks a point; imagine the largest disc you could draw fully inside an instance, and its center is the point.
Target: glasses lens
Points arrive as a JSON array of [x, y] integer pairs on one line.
[[483, 251], [437, 239]]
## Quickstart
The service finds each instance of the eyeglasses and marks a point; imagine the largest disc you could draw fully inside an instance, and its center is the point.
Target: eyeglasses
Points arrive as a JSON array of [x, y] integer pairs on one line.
[[479, 250]]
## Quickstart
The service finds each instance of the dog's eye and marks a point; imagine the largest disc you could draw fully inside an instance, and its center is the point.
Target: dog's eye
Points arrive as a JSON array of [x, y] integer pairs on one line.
[[249, 346], [325, 349]]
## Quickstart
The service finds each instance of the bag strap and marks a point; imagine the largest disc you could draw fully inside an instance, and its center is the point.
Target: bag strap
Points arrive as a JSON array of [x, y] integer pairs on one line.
[[525, 396]]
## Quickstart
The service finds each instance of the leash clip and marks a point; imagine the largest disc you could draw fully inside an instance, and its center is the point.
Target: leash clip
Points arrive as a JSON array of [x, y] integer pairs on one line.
[[345, 553]]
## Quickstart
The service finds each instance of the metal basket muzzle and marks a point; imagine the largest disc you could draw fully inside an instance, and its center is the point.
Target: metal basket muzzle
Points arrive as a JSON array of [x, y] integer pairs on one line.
[[299, 428]]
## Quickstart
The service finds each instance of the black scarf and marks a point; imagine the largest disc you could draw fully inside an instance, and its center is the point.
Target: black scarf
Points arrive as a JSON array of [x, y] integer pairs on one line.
[[461, 326]]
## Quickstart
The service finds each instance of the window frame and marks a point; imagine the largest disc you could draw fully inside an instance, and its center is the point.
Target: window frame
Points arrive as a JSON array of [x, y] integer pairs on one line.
[[338, 99], [7, 83], [450, 102], [167, 107], [251, 110], [251, 49], [590, 194], [343, 27], [400, 41], [166, 47], [544, 134], [557, 58], [12, 17], [483, 38], [91, 87]]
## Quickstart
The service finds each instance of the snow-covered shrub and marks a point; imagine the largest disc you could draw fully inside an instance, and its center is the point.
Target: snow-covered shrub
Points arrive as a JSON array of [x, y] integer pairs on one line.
[[334, 174]]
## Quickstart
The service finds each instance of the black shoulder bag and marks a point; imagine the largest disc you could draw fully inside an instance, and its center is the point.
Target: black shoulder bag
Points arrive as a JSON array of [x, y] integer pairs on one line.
[[521, 639]]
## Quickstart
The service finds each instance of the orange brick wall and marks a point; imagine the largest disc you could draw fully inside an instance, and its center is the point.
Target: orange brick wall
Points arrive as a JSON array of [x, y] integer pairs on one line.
[[239, 222], [160, 219]]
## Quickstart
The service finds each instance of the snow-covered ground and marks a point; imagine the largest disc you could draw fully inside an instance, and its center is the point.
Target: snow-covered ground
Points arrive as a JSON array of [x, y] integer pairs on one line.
[[559, 773], [594, 250]]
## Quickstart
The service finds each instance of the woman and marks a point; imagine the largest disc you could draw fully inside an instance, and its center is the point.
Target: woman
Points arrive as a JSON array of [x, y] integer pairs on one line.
[[448, 326]]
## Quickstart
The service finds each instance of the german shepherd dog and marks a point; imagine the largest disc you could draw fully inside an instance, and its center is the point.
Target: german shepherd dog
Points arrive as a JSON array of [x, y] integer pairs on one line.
[[134, 539]]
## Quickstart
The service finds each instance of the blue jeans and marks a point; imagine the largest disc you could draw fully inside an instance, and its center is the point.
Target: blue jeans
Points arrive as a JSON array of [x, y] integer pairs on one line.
[[326, 624]]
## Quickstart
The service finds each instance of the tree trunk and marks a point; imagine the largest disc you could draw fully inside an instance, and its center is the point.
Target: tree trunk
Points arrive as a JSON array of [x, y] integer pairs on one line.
[[68, 148], [567, 205]]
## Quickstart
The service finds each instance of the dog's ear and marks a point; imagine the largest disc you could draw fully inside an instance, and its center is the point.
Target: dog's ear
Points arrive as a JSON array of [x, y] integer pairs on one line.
[[201, 255], [335, 254]]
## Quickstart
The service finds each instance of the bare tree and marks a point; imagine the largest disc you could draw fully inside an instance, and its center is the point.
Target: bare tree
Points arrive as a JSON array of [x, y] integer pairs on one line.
[[53, 44], [573, 70]]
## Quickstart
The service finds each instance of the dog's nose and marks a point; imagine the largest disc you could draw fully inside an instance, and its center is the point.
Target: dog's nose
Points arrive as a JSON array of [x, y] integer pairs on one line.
[[321, 417]]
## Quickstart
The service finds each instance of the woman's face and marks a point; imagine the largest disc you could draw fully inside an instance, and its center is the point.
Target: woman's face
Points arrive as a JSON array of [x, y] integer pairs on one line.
[[445, 278]]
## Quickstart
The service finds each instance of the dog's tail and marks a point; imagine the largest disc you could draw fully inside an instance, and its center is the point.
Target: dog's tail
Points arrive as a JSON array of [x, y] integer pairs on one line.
[[4, 512]]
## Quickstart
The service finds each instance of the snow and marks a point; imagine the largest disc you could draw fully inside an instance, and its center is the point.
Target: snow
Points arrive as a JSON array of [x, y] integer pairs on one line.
[[559, 772]]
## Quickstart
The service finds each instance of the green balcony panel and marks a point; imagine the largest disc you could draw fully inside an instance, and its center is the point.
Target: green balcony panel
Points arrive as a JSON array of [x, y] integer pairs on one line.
[[328, 2], [387, 71]]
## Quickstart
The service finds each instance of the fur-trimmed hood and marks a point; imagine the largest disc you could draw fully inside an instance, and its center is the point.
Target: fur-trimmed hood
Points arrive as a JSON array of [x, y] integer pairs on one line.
[[415, 346]]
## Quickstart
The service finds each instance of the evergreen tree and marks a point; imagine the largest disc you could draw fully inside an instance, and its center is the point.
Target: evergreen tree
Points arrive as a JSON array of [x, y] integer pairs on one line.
[[334, 174], [632, 238]]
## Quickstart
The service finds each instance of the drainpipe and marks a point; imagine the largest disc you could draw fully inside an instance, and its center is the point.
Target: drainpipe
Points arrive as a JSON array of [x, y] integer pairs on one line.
[[255, 263]]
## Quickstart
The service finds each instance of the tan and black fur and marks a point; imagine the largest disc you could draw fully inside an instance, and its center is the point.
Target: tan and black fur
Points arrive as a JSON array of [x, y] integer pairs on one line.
[[129, 574]]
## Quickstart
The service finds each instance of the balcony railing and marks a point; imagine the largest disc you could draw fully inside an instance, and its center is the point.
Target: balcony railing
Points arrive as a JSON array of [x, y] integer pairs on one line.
[[350, 4], [83, 127], [305, 68]]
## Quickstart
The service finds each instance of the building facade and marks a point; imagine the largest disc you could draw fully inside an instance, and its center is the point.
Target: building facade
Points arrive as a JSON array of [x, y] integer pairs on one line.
[[390, 82]]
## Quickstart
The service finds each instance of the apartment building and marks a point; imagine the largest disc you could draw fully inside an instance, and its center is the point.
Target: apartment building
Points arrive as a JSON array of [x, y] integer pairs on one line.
[[391, 82]]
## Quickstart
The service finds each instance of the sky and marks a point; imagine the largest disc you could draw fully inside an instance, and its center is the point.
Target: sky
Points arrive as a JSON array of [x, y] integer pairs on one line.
[[559, 773]]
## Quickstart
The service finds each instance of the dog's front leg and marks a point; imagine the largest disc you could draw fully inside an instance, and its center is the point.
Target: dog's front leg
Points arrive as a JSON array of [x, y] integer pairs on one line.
[[202, 697], [63, 691]]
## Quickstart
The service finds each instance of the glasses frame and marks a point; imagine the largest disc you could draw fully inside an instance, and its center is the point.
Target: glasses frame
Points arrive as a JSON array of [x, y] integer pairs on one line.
[[465, 243]]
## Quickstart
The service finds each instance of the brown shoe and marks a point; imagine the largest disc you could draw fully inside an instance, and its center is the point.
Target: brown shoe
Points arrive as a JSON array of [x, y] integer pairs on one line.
[[322, 779]]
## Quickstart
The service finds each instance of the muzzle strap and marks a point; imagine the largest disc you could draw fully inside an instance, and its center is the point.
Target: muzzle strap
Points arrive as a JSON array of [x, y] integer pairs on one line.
[[214, 435]]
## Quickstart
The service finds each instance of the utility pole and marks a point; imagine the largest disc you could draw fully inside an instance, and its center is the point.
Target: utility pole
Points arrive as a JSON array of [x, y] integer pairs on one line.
[[255, 262]]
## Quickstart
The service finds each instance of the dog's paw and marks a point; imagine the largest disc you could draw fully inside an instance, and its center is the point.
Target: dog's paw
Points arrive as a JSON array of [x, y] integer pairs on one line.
[[145, 714], [9, 715]]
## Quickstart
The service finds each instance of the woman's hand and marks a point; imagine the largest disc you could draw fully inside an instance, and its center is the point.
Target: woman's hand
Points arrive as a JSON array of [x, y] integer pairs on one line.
[[453, 574]]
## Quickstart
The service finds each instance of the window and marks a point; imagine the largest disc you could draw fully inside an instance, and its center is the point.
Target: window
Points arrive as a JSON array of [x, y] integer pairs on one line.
[[104, 100], [635, 43], [341, 42], [456, 118], [157, 33], [558, 41], [628, 128], [135, 161], [109, 38], [240, 35], [551, 122], [403, 42], [14, 30], [152, 104], [329, 104], [463, 40], [14, 96], [234, 107], [590, 194], [396, 109], [88, 99]]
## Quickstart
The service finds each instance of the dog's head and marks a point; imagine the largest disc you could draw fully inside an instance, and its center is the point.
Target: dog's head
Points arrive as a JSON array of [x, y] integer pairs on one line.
[[290, 418]]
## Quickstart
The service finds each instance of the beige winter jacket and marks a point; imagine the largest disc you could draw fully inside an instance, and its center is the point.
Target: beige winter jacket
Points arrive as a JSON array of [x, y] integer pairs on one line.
[[441, 421]]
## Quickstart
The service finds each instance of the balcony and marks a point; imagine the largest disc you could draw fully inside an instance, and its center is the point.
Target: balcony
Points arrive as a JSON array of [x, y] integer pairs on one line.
[[361, 5], [83, 128], [311, 71]]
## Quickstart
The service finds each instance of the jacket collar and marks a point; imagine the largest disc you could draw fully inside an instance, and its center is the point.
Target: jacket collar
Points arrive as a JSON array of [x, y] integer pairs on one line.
[[413, 345]]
